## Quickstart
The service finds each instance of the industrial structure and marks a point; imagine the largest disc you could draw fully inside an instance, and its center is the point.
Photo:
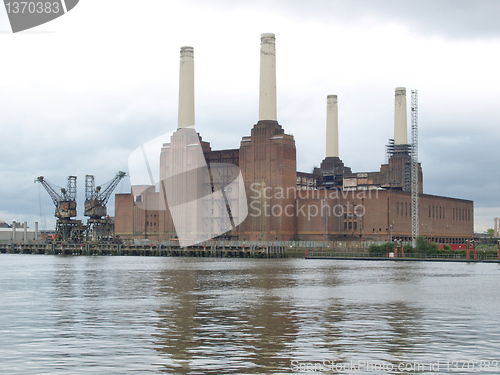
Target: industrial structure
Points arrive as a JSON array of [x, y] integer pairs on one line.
[[331, 203], [414, 168], [67, 228], [99, 227]]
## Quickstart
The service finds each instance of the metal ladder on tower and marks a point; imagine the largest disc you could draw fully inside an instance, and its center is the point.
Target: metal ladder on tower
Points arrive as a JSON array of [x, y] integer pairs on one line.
[[414, 167]]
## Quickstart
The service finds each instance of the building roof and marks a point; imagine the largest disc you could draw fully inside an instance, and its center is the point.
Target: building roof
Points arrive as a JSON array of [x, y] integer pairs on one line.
[[3, 223]]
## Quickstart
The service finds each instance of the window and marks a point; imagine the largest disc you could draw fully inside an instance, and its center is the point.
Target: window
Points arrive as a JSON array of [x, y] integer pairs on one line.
[[397, 208], [440, 213], [406, 209]]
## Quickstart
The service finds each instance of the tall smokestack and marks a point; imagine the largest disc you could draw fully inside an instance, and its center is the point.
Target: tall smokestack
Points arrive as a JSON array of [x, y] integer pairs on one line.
[[400, 121], [332, 127], [186, 89], [267, 97]]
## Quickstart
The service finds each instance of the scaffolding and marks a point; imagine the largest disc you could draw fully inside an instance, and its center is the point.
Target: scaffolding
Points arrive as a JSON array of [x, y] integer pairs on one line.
[[414, 167], [399, 160], [220, 210]]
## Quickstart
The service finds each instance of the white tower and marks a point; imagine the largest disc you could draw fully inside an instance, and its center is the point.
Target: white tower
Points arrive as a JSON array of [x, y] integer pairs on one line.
[[267, 96], [332, 127], [186, 89], [400, 117]]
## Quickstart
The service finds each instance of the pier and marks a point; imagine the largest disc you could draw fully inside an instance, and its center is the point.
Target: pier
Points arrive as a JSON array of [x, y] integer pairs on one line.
[[212, 249]]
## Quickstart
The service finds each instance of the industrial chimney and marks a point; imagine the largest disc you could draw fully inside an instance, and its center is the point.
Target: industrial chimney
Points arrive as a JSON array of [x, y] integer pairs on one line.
[[186, 89], [267, 97], [400, 121], [332, 127]]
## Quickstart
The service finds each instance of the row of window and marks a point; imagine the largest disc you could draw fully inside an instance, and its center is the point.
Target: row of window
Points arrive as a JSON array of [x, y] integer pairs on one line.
[[437, 212], [351, 225], [402, 209], [461, 214], [352, 215]]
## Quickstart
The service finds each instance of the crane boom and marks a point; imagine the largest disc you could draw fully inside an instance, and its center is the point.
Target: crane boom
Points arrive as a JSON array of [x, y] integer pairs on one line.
[[96, 198], [65, 202], [52, 193], [106, 193], [100, 227]]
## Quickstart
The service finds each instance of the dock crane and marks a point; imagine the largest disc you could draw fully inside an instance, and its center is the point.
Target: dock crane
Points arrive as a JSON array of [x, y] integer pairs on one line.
[[67, 228], [100, 226]]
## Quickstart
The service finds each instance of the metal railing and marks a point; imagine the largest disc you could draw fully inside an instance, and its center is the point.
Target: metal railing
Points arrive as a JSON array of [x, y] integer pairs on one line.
[[329, 254]]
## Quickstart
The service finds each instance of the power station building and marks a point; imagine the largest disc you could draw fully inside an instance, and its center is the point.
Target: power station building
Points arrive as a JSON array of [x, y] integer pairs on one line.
[[282, 204]]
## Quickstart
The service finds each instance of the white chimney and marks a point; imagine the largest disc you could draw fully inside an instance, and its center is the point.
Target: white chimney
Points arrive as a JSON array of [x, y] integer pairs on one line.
[[332, 127], [267, 98], [186, 89], [400, 120]]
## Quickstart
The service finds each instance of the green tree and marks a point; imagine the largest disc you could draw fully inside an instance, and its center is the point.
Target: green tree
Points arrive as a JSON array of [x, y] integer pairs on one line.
[[490, 232], [421, 244], [408, 248]]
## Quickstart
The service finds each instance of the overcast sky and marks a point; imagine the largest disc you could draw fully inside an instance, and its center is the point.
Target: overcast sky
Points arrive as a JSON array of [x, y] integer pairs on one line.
[[80, 93]]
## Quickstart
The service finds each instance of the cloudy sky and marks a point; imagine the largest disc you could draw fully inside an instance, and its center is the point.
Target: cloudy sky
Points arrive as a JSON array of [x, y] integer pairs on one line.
[[80, 93]]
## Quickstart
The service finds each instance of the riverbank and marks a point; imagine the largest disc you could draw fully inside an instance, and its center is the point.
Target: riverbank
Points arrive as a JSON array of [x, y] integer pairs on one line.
[[411, 257]]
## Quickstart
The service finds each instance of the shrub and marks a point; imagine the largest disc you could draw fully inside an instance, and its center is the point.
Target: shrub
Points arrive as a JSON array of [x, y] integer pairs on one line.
[[422, 244], [408, 248]]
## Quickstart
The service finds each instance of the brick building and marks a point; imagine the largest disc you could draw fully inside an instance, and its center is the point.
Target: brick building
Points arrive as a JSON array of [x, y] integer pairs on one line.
[[331, 203]]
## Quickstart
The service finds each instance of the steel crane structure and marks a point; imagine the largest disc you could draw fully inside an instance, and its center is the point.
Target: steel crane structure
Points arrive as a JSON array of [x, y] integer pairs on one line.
[[100, 226], [414, 168], [67, 228]]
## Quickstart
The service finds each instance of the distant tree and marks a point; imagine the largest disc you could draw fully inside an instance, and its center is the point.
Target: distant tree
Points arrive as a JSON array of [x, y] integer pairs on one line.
[[408, 248], [421, 244], [374, 249], [384, 248], [448, 248], [433, 248], [490, 232]]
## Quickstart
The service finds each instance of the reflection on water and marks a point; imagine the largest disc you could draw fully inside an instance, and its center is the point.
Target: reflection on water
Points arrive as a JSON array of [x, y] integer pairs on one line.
[[116, 315]]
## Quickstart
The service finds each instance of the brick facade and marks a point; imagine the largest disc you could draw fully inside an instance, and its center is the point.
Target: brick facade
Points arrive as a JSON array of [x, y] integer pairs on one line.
[[280, 208]]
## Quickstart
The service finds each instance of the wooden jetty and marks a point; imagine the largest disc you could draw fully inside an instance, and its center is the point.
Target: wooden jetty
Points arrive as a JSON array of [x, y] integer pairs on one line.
[[168, 249]]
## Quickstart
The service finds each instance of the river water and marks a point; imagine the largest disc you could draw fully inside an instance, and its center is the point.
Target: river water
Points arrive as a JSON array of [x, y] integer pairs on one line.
[[148, 315]]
